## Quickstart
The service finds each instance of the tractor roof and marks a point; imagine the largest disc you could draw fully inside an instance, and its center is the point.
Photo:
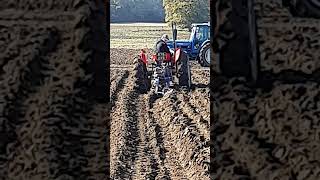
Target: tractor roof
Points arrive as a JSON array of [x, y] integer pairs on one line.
[[201, 24]]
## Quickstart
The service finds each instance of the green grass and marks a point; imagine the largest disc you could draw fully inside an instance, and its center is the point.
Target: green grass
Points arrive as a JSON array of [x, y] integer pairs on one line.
[[141, 35]]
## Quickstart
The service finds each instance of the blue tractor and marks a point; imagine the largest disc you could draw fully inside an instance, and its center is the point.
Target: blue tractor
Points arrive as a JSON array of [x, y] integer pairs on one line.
[[198, 46]]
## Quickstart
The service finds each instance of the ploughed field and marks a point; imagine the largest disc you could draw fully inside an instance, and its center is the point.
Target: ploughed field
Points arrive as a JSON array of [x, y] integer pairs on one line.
[[272, 131], [157, 138], [51, 125], [267, 133]]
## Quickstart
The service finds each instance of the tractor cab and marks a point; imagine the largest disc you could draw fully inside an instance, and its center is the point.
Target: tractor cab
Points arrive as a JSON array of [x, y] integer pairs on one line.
[[199, 34], [199, 41]]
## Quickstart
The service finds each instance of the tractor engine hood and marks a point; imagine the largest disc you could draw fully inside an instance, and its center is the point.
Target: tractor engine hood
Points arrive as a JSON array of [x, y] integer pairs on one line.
[[183, 44]]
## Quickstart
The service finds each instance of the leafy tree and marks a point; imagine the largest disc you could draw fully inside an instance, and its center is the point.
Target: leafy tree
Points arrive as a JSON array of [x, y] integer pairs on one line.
[[136, 11], [186, 12], [183, 12]]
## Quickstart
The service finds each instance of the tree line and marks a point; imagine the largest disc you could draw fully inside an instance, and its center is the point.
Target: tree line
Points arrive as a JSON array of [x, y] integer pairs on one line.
[[183, 12], [136, 11]]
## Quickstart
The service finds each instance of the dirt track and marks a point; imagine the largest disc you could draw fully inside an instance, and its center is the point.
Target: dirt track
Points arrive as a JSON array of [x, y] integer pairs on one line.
[[164, 138]]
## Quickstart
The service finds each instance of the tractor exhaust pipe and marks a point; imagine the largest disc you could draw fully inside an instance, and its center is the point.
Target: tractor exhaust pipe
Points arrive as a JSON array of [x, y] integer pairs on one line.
[[174, 36]]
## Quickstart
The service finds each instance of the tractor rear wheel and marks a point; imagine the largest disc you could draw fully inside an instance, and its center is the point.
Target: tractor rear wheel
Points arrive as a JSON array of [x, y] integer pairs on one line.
[[313, 7], [204, 55], [306, 8], [184, 71], [253, 56], [143, 82]]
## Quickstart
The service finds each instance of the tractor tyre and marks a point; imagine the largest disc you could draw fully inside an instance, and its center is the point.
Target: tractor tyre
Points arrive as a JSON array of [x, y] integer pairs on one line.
[[306, 8], [184, 71], [313, 7], [143, 83], [204, 55]]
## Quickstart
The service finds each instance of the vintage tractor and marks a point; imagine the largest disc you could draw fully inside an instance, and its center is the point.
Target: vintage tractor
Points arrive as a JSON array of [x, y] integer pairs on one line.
[[157, 72], [198, 46]]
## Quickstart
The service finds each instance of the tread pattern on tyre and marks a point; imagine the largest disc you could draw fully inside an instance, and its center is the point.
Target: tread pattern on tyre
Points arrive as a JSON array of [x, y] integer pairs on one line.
[[184, 72], [141, 74], [202, 54]]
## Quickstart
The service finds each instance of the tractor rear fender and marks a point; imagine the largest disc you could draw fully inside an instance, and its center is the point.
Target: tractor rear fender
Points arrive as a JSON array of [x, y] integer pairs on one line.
[[143, 56], [177, 55], [205, 42]]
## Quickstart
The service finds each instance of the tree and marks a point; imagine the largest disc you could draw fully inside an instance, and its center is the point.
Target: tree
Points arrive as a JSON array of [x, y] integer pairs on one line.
[[186, 12], [136, 11], [183, 12]]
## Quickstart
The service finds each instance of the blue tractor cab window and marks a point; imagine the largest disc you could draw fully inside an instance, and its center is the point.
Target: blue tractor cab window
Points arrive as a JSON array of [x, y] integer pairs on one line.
[[199, 35]]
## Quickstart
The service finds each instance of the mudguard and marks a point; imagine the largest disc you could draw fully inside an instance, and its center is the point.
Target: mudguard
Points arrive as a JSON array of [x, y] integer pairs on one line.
[[177, 55], [143, 56], [205, 42]]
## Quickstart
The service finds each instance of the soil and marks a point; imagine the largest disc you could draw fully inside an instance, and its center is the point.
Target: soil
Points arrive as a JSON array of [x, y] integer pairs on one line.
[[51, 125], [267, 134], [159, 138], [120, 56], [271, 131]]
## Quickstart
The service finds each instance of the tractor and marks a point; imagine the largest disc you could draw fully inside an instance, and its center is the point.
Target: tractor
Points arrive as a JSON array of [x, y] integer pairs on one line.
[[255, 36], [198, 46], [155, 73]]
